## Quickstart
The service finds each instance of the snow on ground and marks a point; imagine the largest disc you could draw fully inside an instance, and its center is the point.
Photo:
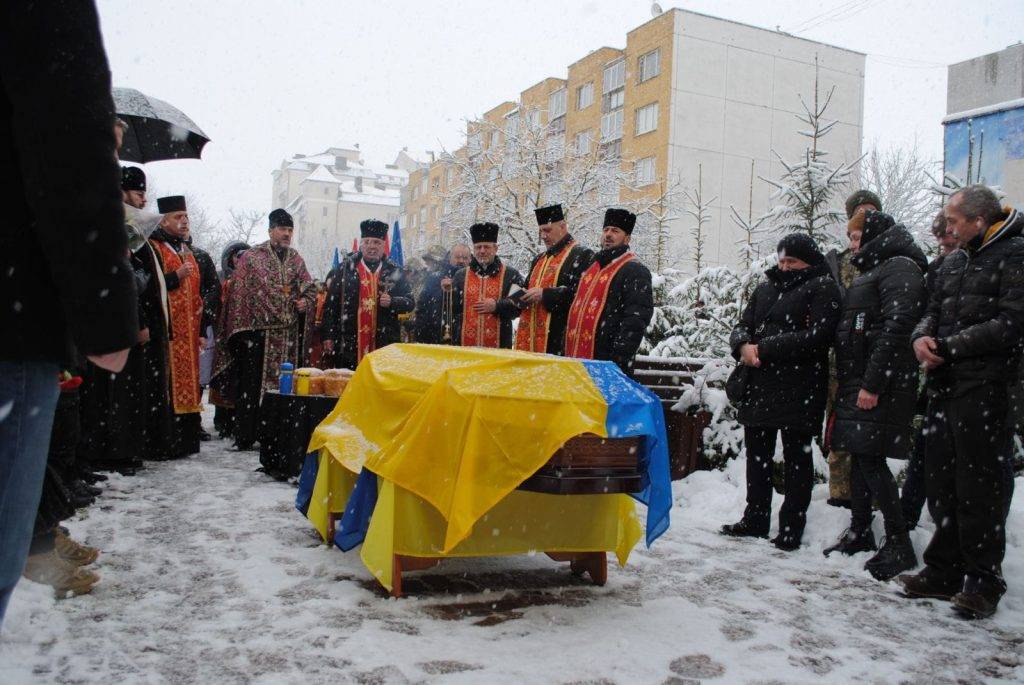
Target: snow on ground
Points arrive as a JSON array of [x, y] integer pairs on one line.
[[210, 575]]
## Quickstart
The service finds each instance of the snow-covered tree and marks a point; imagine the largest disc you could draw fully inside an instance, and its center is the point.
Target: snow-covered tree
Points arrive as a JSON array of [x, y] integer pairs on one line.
[[810, 193], [902, 179], [503, 174], [699, 209]]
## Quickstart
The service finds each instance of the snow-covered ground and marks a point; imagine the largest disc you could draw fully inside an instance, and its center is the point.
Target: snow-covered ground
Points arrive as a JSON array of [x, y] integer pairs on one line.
[[211, 576]]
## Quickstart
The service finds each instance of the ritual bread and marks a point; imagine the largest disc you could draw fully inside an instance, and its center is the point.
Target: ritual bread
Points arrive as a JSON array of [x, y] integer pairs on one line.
[[335, 380], [316, 385]]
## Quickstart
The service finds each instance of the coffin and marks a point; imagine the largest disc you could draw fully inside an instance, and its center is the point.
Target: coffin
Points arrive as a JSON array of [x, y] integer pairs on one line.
[[590, 465]]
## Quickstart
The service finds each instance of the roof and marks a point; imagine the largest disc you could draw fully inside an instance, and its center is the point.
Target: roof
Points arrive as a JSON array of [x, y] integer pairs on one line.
[[982, 111], [321, 175]]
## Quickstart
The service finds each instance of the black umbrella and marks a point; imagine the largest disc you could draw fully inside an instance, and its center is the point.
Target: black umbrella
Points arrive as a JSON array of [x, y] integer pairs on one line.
[[156, 130]]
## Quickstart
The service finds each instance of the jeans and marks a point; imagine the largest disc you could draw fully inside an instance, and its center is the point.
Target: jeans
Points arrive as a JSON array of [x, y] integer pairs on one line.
[[28, 399]]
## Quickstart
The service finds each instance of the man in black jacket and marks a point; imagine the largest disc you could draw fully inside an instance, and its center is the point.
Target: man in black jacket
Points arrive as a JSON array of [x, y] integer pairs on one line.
[[970, 342], [614, 301], [64, 272], [365, 295], [554, 277], [431, 310]]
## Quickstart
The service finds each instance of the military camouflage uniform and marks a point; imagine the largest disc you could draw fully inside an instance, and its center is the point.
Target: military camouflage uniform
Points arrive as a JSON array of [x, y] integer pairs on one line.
[[839, 462]]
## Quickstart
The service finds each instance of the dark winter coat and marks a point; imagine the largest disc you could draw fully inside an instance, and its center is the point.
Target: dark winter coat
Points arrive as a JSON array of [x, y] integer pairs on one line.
[[64, 272], [627, 311], [873, 350], [976, 312], [209, 288], [792, 318], [507, 310], [340, 316], [558, 300], [429, 305]]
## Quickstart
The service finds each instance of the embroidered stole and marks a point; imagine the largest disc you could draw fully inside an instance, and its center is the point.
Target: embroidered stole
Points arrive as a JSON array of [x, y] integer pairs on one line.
[[587, 307], [366, 319], [535, 322], [186, 308], [481, 330]]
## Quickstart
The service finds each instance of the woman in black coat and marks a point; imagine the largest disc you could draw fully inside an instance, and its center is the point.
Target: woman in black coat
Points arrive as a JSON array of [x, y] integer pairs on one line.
[[878, 385], [783, 339]]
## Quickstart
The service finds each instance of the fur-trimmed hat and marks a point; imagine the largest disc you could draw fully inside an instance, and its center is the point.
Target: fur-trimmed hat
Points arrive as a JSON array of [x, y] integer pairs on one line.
[[862, 197], [620, 218], [484, 233]]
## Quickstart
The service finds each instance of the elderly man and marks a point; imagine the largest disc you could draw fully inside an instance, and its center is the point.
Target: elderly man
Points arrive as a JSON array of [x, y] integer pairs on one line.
[[181, 275], [434, 323], [554, 276], [969, 340], [614, 301], [365, 295], [481, 300], [259, 326]]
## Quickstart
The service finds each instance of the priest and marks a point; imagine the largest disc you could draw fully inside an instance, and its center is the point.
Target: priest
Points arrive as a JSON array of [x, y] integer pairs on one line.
[[554, 276], [181, 276], [365, 295], [614, 301], [260, 325], [486, 295]]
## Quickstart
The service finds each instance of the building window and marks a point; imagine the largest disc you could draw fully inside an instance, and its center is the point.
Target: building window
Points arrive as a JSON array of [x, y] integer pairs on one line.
[[327, 191], [650, 65], [613, 150], [584, 96], [495, 141], [583, 139], [511, 128], [325, 211], [423, 186], [647, 118], [556, 126], [450, 173], [474, 143], [556, 104], [611, 126], [533, 119], [613, 100], [645, 171], [423, 216], [614, 76]]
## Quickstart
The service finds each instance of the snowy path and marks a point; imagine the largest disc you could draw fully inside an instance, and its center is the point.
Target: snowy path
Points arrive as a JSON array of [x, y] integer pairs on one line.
[[210, 575]]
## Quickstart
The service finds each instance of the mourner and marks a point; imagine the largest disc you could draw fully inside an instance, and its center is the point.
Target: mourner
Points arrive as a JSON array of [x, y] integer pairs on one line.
[[181, 275], [614, 301], [224, 412], [482, 306], [782, 344], [913, 495], [259, 326], [554, 277], [367, 292], [434, 315], [878, 386], [970, 342]]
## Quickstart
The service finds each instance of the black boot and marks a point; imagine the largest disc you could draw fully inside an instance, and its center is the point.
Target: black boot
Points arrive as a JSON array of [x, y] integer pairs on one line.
[[928, 585], [744, 529], [852, 541], [787, 543], [896, 556]]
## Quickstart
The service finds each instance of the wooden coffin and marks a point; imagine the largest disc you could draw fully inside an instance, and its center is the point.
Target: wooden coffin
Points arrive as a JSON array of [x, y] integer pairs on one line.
[[590, 465]]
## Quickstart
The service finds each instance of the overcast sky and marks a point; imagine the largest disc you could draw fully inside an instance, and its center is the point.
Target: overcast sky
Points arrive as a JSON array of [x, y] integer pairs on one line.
[[267, 80]]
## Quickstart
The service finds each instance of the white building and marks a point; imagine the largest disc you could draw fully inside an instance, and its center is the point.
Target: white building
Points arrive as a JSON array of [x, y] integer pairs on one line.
[[330, 193]]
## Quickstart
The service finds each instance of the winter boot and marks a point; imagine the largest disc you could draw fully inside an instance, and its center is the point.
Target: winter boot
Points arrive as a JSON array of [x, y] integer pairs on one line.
[[978, 599], [744, 529], [897, 555], [66, 579], [853, 541], [73, 552], [787, 543], [928, 585]]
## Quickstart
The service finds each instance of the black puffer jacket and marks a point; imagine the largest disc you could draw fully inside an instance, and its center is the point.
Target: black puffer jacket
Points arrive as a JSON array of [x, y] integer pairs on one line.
[[976, 312], [873, 350], [792, 319]]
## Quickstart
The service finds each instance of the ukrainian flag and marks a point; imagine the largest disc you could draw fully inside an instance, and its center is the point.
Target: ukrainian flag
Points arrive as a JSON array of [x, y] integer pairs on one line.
[[426, 447]]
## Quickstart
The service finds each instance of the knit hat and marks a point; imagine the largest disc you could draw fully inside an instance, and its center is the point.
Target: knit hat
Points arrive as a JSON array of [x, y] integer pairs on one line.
[[862, 197], [875, 224], [801, 246], [133, 178]]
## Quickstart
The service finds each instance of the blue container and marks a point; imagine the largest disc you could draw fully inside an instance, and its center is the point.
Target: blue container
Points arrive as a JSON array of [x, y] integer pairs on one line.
[[286, 378]]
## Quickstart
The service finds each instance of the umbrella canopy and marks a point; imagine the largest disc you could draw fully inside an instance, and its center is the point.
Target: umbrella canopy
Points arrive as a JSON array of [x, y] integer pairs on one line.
[[156, 130]]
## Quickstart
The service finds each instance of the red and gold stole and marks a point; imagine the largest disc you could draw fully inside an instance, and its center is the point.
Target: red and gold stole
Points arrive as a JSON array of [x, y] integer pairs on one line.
[[587, 307], [535, 322], [366, 319], [186, 311], [481, 330]]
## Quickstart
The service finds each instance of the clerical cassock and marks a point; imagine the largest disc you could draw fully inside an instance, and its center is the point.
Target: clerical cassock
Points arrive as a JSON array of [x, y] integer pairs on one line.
[[557, 272], [483, 298], [357, 320], [614, 301]]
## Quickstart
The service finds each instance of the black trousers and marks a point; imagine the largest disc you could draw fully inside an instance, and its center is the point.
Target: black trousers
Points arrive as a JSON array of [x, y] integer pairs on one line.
[[247, 350], [870, 477], [796, 450], [913, 496], [969, 481]]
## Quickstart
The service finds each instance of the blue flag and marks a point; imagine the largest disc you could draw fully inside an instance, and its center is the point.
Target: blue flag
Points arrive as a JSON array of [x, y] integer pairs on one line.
[[396, 246], [337, 259]]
